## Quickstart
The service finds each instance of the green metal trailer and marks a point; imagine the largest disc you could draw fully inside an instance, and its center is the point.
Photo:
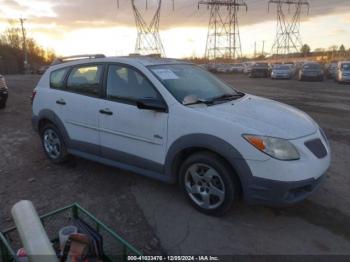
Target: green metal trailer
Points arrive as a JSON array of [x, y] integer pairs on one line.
[[115, 248]]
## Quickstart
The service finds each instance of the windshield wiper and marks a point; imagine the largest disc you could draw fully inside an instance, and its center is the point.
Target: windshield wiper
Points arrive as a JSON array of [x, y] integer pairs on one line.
[[208, 102], [225, 97], [198, 101]]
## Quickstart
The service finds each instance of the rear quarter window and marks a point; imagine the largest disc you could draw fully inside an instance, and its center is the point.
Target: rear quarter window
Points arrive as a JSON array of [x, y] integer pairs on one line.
[[57, 78]]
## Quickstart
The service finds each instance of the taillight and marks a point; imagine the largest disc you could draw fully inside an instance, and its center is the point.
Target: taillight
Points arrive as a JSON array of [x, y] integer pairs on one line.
[[32, 97]]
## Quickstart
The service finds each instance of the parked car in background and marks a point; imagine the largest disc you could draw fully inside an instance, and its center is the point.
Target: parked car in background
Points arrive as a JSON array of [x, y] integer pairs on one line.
[[247, 67], [311, 71], [237, 68], [281, 72], [331, 70], [343, 72], [42, 70], [223, 68], [3, 92], [292, 67], [134, 113], [259, 70]]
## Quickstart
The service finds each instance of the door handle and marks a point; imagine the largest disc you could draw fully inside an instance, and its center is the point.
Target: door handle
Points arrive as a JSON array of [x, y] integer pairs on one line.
[[61, 102], [106, 112]]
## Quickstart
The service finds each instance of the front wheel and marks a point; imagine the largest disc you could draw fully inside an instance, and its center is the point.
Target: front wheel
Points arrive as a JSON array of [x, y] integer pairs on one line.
[[53, 144], [209, 183]]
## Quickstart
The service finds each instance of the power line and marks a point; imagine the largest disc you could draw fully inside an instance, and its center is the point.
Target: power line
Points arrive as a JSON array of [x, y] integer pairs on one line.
[[288, 37], [148, 38], [223, 39]]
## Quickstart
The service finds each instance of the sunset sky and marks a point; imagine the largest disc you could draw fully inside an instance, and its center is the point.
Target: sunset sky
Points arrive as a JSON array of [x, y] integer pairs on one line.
[[91, 26]]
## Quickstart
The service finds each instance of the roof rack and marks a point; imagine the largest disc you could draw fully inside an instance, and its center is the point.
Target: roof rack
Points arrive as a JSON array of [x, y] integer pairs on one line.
[[66, 59]]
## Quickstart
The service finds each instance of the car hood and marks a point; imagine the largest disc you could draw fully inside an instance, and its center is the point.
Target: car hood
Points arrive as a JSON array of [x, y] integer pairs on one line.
[[262, 116]]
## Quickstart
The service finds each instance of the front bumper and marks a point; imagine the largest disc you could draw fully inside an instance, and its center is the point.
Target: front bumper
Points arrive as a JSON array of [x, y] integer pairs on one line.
[[280, 183], [277, 193], [312, 77], [3, 96], [274, 76], [345, 79]]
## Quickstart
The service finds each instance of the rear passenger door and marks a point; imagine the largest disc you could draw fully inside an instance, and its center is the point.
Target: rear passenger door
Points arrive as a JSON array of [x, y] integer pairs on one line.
[[128, 134], [79, 105]]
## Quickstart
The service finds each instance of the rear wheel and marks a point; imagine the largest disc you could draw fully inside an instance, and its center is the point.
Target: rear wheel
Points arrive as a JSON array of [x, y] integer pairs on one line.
[[53, 144], [208, 183]]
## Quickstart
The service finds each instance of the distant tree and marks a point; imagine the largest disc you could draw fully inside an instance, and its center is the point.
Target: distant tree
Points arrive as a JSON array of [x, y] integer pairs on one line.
[[11, 51], [342, 50], [333, 48], [305, 50]]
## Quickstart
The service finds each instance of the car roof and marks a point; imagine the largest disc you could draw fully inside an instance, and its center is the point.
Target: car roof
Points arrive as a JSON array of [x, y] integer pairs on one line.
[[141, 60]]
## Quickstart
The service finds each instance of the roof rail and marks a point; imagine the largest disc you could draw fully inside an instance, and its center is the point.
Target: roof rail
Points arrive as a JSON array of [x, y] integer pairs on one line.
[[66, 59]]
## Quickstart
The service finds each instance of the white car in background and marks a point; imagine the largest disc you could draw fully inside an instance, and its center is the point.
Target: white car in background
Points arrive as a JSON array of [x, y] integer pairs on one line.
[[247, 67], [177, 123], [281, 72], [237, 68], [343, 72]]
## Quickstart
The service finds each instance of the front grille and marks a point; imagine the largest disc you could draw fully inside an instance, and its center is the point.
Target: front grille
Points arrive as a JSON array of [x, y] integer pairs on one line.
[[317, 148]]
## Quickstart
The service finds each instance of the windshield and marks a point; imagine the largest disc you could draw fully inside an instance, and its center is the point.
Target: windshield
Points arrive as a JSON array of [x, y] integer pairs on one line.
[[282, 68], [345, 67], [189, 80], [312, 66]]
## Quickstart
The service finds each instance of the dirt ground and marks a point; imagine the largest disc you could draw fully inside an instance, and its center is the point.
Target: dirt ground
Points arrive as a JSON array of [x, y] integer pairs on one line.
[[153, 216], [25, 173]]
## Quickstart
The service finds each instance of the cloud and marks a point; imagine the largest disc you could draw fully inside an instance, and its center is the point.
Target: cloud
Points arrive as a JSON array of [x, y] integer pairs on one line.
[[92, 13]]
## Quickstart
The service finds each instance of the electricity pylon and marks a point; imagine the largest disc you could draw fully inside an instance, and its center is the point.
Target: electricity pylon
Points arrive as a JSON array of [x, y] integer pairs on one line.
[[223, 39], [148, 40], [288, 37]]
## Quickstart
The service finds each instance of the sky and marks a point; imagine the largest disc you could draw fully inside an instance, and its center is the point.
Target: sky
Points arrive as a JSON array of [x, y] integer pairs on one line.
[[98, 26]]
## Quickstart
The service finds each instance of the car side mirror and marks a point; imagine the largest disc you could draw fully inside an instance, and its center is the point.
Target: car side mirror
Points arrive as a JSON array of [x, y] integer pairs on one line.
[[152, 104]]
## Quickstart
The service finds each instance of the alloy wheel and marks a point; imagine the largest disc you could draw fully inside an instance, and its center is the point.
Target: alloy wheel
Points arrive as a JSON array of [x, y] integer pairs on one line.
[[52, 143], [205, 186]]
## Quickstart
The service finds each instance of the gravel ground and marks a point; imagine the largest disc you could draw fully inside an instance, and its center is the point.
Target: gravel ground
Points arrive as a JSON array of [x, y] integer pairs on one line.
[[25, 173]]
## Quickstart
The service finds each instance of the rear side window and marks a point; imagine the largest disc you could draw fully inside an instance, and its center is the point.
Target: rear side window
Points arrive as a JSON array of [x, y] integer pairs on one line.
[[85, 80], [57, 78]]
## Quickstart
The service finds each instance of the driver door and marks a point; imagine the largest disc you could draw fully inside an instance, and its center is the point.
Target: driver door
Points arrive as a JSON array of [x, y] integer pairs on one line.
[[128, 134]]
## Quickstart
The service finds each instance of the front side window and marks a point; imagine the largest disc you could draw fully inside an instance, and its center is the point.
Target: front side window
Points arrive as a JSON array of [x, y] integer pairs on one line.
[[189, 80], [128, 84], [85, 80], [57, 78]]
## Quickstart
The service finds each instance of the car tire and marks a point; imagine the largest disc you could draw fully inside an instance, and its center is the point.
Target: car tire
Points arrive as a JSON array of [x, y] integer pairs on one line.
[[53, 144], [209, 183]]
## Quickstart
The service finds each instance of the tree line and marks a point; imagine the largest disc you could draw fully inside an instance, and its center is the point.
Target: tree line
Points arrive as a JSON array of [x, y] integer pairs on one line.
[[12, 51]]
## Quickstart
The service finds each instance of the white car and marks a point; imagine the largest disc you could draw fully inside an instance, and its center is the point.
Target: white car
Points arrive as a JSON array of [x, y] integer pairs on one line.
[[343, 72], [247, 67], [281, 72], [177, 123]]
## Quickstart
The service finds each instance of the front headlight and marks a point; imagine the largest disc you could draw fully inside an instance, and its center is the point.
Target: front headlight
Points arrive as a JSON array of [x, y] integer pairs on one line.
[[278, 148]]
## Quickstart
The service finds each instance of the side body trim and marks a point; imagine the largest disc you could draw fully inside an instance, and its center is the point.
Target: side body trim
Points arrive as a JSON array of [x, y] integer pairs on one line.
[[121, 165]]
